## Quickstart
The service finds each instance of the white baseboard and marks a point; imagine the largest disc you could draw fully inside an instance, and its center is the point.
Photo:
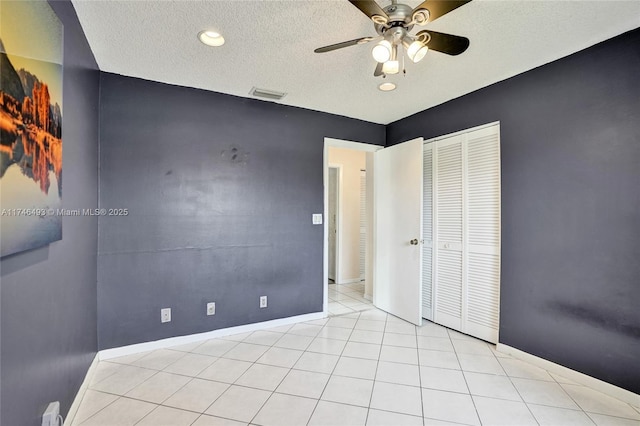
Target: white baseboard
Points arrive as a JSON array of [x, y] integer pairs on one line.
[[83, 388], [183, 340], [349, 281], [368, 297], [173, 341], [583, 379]]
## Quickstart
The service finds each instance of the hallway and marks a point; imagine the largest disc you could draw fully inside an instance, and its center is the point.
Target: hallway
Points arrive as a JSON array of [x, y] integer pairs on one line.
[[347, 298]]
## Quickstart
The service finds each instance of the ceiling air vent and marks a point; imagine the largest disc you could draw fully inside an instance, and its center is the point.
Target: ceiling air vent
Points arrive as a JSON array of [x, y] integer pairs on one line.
[[268, 94]]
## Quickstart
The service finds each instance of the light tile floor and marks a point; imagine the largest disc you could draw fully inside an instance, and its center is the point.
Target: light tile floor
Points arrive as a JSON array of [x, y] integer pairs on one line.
[[363, 368], [347, 298]]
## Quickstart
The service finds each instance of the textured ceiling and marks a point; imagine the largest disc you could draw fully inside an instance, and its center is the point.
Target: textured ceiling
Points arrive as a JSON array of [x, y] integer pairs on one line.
[[269, 44]]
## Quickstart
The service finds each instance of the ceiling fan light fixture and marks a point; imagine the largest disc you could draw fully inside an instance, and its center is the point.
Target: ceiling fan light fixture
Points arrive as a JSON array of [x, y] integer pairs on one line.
[[391, 67], [382, 51], [211, 38], [380, 20], [421, 17], [416, 51], [387, 86]]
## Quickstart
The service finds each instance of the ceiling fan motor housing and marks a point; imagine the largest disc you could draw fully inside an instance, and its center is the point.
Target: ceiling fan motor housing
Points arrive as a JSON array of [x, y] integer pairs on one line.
[[399, 16]]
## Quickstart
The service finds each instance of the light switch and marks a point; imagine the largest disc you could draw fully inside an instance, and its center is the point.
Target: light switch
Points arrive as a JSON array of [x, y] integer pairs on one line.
[[316, 218]]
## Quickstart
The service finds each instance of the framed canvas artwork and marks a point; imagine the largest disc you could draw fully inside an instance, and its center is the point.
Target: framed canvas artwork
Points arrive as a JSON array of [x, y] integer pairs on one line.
[[31, 111]]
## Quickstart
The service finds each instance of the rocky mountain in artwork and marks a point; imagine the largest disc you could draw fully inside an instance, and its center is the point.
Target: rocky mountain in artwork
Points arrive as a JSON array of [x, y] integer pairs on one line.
[[30, 126], [10, 82]]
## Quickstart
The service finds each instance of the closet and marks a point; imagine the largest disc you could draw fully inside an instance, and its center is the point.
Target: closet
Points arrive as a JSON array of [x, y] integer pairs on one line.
[[461, 231]]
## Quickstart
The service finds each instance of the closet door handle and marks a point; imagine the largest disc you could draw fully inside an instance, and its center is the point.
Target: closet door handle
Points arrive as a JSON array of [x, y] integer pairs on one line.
[[414, 242]]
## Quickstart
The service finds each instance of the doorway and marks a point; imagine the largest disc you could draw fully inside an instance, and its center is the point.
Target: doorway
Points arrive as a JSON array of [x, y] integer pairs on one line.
[[348, 252]]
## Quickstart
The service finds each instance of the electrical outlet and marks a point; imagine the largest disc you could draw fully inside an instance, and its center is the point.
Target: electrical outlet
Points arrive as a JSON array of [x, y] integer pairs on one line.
[[51, 414], [165, 315], [263, 301], [211, 308]]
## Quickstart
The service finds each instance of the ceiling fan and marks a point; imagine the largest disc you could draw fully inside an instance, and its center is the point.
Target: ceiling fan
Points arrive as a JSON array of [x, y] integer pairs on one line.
[[393, 25]]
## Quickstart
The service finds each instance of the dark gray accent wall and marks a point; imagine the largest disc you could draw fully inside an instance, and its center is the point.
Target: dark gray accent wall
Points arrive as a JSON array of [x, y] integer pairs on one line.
[[570, 158], [48, 295], [220, 191]]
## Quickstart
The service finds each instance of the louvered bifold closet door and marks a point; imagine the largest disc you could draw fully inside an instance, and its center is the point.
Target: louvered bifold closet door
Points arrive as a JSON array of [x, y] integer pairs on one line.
[[448, 241], [482, 211], [363, 222], [427, 232]]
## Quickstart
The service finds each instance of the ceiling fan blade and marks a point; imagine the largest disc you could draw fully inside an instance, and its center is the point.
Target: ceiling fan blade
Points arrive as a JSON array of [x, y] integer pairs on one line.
[[438, 8], [445, 43], [331, 47], [371, 9], [378, 72]]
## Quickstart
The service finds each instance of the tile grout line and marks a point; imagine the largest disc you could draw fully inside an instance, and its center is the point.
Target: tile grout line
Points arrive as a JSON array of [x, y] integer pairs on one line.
[[85, 420], [289, 368], [420, 377], [217, 358], [570, 397], [104, 378], [333, 370], [234, 383], [306, 350], [192, 378], [132, 388], [589, 413], [517, 391], [303, 352], [221, 356], [554, 381], [375, 374], [465, 378], [351, 310], [254, 363], [580, 409]]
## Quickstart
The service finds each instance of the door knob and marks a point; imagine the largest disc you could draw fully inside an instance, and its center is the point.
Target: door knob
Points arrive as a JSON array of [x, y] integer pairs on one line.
[[414, 242]]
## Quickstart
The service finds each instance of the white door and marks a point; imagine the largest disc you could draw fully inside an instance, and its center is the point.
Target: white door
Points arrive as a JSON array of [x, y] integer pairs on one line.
[[398, 220], [448, 198], [427, 232], [482, 201], [466, 262]]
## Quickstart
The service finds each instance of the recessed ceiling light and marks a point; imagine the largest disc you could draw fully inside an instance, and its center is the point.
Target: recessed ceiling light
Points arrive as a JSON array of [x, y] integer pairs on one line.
[[211, 38], [387, 86]]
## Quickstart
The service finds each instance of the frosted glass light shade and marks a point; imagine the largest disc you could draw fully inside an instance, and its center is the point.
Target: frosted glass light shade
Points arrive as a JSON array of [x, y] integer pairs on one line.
[[382, 51], [416, 51], [391, 67]]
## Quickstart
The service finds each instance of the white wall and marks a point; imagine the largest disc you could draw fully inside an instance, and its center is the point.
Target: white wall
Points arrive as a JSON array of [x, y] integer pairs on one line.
[[349, 221]]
